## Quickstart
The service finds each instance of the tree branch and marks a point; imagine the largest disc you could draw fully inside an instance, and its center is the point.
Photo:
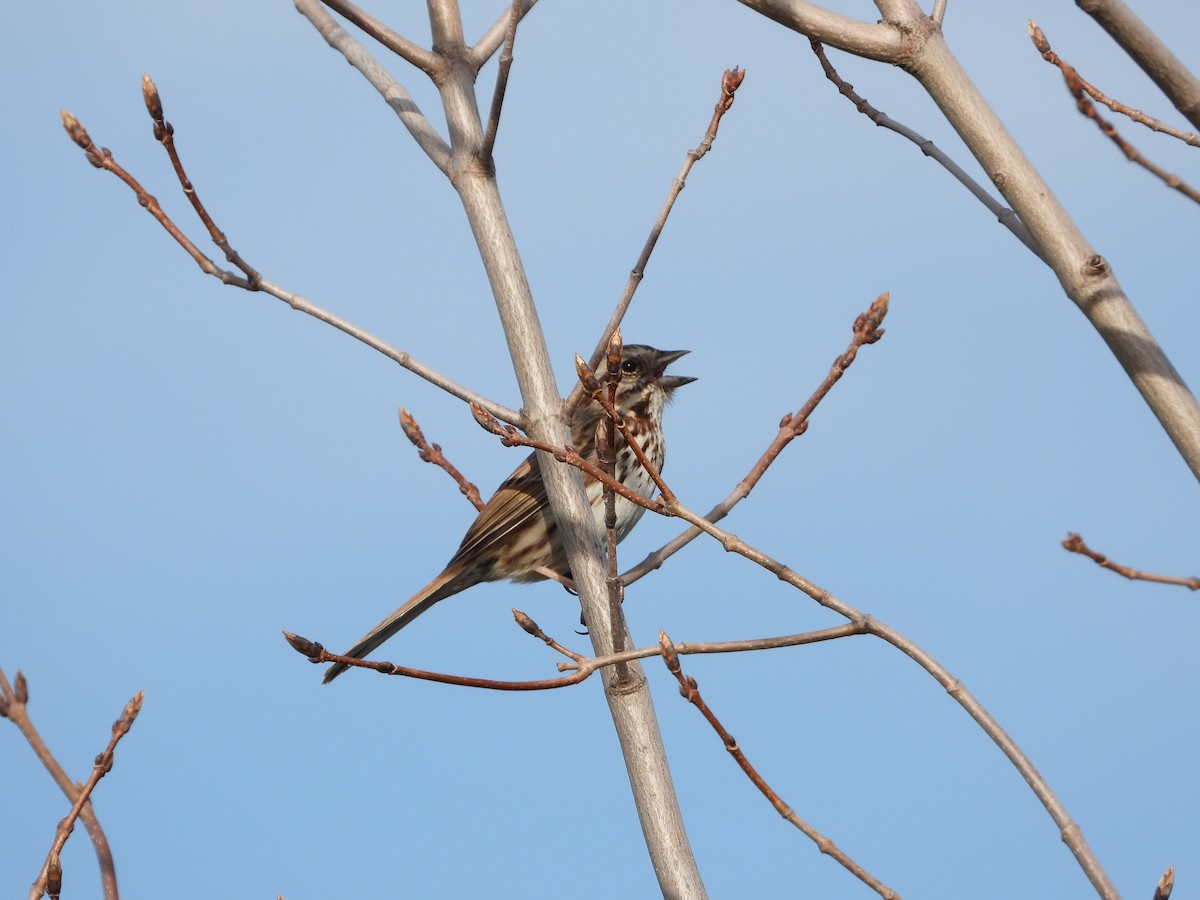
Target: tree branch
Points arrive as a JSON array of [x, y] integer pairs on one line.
[[1145, 48], [393, 92], [14, 707]]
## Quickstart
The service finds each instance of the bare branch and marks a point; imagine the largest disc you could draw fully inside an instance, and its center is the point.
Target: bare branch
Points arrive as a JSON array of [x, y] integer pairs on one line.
[[506, 58], [495, 36], [1146, 49], [14, 707], [418, 56], [1006, 216], [878, 41], [691, 693], [51, 870], [1075, 544], [1085, 106], [731, 80], [393, 92]]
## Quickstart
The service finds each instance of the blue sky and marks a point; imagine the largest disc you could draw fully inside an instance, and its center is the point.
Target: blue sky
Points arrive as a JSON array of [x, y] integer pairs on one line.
[[192, 469]]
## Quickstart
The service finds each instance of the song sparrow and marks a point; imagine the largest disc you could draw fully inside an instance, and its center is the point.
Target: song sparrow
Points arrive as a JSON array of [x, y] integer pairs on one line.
[[515, 533]]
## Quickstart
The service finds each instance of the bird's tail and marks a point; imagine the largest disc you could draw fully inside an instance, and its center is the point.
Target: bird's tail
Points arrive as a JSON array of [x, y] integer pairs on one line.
[[445, 585]]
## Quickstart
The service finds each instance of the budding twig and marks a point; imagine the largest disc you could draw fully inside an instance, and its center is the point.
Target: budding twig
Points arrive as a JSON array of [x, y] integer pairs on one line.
[[731, 80], [50, 875], [1075, 544], [1075, 84], [867, 329], [690, 691], [511, 437], [14, 707], [588, 379], [250, 280], [432, 453]]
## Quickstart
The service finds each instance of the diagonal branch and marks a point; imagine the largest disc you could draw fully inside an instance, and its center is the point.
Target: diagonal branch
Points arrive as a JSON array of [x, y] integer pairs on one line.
[[506, 59], [418, 56], [1146, 49], [1006, 216], [731, 80], [393, 92], [691, 693], [867, 329]]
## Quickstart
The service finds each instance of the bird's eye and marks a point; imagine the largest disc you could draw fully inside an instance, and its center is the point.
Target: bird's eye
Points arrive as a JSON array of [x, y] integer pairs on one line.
[[630, 367]]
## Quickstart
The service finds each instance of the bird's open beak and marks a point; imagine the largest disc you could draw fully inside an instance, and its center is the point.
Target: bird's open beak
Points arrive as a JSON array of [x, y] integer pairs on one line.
[[664, 359]]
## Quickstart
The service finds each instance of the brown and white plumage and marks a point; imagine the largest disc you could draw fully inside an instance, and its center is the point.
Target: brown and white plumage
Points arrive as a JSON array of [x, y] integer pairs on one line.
[[515, 533]]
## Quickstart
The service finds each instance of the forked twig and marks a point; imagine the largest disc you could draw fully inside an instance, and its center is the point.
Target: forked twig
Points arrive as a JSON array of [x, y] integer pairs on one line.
[[1075, 544], [691, 693], [731, 80], [14, 701], [1003, 214], [49, 878], [1088, 108], [250, 279]]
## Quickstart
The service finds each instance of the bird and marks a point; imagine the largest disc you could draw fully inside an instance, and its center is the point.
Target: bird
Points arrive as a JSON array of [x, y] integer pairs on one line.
[[515, 533]]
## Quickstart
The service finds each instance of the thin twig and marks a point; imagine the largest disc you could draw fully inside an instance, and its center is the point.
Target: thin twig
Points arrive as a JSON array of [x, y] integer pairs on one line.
[[1085, 106], [731, 80], [102, 158], [867, 329], [432, 453], [691, 693], [494, 37], [511, 437], [506, 58], [606, 452], [1136, 115], [1075, 544], [580, 667], [1003, 214], [14, 706], [51, 870], [164, 133]]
